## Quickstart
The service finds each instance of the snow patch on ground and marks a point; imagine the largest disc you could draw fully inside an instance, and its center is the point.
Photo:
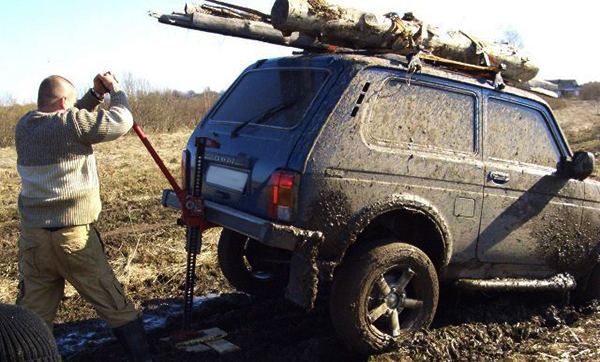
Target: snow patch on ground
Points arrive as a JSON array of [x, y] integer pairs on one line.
[[156, 319], [72, 338]]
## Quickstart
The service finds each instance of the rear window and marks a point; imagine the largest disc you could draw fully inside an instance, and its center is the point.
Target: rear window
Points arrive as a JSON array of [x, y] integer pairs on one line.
[[271, 97]]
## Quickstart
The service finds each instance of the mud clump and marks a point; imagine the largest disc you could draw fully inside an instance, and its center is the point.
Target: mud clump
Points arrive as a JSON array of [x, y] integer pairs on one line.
[[568, 247], [509, 326], [329, 213]]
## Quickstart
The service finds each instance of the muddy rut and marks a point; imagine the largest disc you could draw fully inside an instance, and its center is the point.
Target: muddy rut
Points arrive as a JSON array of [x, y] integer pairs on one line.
[[468, 326]]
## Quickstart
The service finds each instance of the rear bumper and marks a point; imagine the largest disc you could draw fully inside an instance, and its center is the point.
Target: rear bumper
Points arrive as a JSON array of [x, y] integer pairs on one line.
[[267, 232], [302, 287]]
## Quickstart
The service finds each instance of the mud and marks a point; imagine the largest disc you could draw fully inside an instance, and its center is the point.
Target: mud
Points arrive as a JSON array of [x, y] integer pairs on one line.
[[329, 213], [468, 326], [557, 283], [304, 271], [504, 328], [567, 247]]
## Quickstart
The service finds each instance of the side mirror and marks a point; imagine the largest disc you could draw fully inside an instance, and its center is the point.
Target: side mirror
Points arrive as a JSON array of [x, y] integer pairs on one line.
[[580, 167]]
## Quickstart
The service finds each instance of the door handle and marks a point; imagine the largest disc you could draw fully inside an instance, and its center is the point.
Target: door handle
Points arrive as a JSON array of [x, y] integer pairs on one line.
[[499, 177]]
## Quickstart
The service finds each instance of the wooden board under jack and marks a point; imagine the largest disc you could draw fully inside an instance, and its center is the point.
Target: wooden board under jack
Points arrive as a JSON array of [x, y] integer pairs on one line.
[[207, 339], [223, 346]]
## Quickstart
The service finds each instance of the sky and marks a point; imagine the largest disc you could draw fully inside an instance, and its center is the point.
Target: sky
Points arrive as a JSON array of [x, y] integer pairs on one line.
[[78, 39]]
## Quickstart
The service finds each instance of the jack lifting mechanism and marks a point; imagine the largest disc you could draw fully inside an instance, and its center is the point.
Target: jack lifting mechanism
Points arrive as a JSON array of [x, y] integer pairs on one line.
[[192, 218]]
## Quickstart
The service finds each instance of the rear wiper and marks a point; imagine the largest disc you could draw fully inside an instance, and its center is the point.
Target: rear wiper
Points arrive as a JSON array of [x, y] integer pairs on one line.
[[260, 118]]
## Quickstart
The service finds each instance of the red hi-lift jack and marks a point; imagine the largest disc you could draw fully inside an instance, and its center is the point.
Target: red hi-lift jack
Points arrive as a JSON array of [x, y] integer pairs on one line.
[[192, 217]]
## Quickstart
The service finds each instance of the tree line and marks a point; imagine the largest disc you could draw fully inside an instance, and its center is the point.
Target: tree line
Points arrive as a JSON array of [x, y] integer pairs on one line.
[[155, 110], [590, 91]]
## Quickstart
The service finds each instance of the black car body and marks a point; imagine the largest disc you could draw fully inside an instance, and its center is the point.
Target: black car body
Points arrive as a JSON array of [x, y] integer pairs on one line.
[[349, 168]]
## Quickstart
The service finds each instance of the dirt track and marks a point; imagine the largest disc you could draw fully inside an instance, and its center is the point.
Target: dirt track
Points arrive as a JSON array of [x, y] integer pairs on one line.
[[467, 327]]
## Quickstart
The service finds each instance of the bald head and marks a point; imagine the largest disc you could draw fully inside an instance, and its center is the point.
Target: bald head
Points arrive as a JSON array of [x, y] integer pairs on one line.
[[56, 93]]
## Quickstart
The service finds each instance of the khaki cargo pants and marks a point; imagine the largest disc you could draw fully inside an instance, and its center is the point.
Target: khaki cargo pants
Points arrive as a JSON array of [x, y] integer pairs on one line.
[[48, 258]]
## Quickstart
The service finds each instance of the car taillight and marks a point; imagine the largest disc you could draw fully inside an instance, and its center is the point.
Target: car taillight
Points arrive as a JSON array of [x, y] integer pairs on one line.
[[185, 155], [282, 195]]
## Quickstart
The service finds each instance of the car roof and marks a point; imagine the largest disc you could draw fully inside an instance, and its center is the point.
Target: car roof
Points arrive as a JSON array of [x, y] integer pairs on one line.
[[398, 62], [391, 61]]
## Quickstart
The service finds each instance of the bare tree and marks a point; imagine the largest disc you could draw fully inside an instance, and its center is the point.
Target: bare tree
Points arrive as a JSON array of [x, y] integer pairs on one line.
[[590, 91], [514, 38], [133, 86], [7, 100]]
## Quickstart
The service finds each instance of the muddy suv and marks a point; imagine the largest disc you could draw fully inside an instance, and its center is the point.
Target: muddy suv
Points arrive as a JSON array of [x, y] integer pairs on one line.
[[348, 173]]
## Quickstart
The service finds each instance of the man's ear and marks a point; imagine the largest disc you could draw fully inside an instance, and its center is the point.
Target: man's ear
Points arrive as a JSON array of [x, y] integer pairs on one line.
[[62, 103]]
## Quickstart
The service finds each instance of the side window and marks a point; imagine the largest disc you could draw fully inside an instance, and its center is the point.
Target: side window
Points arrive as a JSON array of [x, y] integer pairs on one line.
[[519, 133], [424, 116]]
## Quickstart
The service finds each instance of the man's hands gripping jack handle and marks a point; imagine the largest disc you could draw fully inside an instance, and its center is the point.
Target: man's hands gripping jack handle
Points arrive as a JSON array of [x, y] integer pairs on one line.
[[105, 83]]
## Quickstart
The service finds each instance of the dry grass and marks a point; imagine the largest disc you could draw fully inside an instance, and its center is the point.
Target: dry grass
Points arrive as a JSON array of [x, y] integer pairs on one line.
[[9, 115], [556, 103], [581, 122], [169, 111]]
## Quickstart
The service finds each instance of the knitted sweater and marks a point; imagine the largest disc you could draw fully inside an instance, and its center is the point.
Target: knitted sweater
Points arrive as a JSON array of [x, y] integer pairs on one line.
[[56, 162]]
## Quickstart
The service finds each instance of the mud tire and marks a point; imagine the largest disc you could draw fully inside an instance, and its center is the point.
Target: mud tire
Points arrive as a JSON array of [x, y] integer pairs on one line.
[[25, 337], [267, 280], [357, 292]]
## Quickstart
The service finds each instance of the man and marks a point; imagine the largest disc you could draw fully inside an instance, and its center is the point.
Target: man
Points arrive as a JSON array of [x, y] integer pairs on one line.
[[60, 201]]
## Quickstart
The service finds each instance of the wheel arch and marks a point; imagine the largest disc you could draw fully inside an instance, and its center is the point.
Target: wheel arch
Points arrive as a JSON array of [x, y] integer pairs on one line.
[[395, 211]]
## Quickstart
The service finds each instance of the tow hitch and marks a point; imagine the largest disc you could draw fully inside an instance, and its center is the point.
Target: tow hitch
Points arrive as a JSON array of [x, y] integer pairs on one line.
[[192, 207]]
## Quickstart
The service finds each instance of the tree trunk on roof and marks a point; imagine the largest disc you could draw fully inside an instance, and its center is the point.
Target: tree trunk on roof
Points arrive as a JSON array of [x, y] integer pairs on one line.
[[351, 28]]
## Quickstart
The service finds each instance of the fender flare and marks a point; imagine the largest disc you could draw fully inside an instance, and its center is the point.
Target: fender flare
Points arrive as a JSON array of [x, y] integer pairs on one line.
[[416, 204]]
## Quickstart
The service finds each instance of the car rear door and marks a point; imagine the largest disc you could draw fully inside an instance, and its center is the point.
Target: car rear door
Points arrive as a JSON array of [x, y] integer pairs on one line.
[[257, 123]]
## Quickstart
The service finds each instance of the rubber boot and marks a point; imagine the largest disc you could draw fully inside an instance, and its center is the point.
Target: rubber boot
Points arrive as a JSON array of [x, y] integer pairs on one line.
[[133, 337]]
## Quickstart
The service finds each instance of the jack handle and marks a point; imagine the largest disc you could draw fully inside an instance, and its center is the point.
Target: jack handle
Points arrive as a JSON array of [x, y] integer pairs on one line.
[[178, 191], [188, 212]]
